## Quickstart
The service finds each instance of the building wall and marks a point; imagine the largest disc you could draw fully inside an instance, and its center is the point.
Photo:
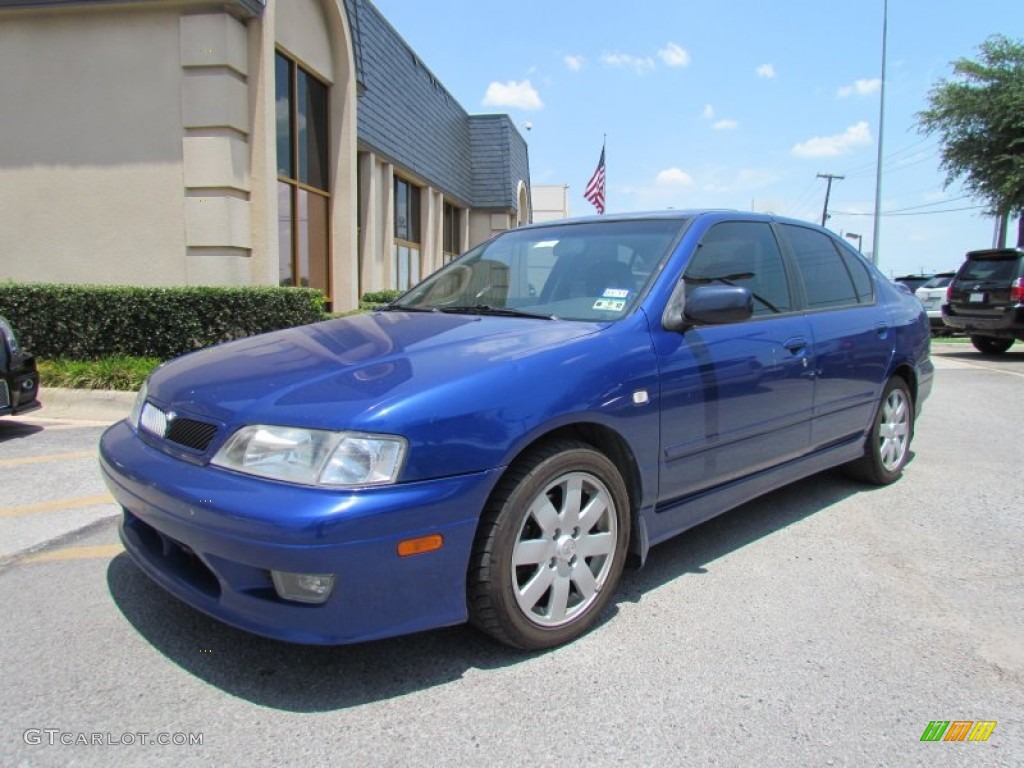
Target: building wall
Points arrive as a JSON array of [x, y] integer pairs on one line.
[[138, 143], [91, 156], [550, 202]]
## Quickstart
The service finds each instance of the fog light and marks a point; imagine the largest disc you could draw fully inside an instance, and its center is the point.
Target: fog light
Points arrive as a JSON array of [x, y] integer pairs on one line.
[[303, 587]]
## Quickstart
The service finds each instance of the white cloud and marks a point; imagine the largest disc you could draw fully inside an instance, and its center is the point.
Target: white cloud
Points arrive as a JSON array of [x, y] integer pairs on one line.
[[640, 64], [839, 144], [575, 63], [709, 112], [863, 87], [674, 55], [766, 71], [512, 94], [726, 125], [674, 177]]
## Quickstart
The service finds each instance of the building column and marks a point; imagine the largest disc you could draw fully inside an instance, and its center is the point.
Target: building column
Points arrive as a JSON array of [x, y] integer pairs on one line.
[[215, 149]]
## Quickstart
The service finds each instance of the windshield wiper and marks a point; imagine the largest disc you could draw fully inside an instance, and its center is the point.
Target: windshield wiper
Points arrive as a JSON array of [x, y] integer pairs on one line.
[[487, 309], [405, 308]]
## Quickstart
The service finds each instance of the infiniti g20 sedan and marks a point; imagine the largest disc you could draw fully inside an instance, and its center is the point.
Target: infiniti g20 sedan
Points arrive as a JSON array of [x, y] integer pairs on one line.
[[493, 444]]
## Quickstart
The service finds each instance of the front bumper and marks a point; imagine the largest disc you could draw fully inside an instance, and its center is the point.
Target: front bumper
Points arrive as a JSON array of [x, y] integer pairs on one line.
[[212, 537]]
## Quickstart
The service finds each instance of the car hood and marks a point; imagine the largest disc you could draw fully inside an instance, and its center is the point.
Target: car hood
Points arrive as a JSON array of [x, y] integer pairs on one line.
[[351, 372]]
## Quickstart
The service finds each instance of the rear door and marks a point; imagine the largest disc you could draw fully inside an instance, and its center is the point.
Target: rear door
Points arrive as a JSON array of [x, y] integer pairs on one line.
[[852, 334]]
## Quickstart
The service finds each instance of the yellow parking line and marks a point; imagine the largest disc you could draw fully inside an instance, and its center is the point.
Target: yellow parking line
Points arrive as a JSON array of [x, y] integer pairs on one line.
[[55, 506], [76, 553], [48, 457]]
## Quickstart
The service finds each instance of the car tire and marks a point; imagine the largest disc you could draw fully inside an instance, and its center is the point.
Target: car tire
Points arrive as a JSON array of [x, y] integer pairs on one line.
[[888, 445], [550, 547], [991, 345]]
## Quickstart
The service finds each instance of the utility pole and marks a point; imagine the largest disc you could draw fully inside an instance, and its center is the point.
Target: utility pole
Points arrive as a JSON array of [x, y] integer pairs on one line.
[[828, 191]]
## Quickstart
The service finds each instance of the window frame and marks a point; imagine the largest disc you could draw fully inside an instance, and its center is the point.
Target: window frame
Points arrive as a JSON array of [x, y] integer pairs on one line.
[[296, 185], [414, 228], [791, 281]]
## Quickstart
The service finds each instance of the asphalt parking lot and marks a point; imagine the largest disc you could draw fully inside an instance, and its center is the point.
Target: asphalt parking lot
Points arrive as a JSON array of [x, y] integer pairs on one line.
[[825, 624]]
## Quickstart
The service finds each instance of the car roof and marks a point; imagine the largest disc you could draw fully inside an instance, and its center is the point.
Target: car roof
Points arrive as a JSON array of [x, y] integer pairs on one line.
[[673, 213], [995, 253]]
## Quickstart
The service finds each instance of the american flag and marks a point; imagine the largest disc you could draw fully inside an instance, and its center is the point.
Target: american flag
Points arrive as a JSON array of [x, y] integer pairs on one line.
[[595, 187]]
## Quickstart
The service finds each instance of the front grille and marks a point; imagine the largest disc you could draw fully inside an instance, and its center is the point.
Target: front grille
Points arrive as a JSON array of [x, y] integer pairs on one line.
[[5, 395], [189, 433]]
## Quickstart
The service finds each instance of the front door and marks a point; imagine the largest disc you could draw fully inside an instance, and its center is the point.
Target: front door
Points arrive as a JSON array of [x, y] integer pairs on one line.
[[736, 398]]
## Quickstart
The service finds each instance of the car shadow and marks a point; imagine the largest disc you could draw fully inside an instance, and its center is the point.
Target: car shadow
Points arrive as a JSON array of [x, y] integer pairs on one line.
[[693, 551], [300, 678], [14, 430], [1014, 354]]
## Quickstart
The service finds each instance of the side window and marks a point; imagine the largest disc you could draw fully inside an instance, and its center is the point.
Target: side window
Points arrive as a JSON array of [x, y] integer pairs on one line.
[[826, 276], [862, 282], [743, 253]]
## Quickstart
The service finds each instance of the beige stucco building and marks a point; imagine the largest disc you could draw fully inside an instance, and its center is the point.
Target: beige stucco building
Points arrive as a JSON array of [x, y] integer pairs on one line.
[[242, 142]]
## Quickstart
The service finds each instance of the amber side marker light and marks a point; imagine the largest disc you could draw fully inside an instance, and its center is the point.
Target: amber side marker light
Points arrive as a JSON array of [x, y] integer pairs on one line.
[[420, 545]]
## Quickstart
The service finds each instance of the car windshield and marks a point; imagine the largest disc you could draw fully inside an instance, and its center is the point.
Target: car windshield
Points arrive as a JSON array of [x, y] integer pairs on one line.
[[588, 271]]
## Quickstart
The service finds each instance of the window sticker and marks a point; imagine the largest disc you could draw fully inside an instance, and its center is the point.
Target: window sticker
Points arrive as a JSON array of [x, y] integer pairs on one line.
[[610, 305], [615, 293]]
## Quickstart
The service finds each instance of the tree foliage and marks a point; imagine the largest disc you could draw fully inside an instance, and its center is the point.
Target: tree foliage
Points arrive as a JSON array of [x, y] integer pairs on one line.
[[979, 119]]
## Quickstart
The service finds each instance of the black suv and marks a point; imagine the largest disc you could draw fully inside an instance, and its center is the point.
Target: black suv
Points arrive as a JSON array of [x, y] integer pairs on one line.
[[19, 381], [986, 299]]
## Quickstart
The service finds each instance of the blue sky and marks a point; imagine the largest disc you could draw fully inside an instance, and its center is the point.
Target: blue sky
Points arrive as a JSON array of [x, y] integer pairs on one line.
[[732, 104]]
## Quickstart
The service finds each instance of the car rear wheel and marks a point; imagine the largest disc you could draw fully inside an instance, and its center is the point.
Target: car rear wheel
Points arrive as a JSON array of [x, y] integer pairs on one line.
[[550, 548], [888, 445], [991, 345]]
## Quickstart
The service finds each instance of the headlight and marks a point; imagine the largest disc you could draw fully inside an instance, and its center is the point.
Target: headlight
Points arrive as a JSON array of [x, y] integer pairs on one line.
[[140, 400], [313, 456]]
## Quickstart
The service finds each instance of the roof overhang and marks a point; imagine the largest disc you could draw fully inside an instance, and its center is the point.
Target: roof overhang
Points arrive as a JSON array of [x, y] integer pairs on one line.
[[246, 7]]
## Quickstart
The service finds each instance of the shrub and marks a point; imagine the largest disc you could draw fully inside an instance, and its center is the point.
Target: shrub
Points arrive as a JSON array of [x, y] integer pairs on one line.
[[374, 299], [86, 322]]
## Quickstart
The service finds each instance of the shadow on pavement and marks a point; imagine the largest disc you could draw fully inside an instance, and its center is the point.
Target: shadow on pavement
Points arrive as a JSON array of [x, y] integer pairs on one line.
[[13, 430], [302, 678]]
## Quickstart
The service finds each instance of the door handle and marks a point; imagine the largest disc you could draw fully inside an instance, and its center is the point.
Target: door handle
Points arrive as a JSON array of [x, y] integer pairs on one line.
[[796, 345]]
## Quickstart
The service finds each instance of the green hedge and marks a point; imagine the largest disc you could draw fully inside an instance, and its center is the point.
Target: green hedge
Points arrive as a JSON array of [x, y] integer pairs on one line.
[[374, 299], [85, 322]]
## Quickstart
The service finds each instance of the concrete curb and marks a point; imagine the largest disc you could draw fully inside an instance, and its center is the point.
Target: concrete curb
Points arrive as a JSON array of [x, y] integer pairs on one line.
[[84, 404]]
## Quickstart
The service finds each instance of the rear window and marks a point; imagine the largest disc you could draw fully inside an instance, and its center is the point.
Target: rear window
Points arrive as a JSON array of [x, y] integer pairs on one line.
[[1002, 268], [940, 281]]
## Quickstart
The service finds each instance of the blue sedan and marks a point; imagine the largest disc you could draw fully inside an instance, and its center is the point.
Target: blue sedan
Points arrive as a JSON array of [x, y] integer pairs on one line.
[[492, 446]]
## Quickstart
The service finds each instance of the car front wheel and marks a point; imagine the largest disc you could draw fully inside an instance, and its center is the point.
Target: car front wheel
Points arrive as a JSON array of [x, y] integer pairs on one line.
[[550, 548], [888, 445], [991, 345]]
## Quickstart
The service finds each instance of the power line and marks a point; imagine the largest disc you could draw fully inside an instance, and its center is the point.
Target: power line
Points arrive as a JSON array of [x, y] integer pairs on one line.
[[916, 213]]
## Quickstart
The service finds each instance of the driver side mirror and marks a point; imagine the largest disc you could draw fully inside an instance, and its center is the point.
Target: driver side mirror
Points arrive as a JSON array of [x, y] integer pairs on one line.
[[708, 305]]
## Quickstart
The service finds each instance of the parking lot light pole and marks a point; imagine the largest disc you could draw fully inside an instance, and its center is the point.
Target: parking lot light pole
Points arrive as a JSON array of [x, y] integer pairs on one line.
[[859, 238]]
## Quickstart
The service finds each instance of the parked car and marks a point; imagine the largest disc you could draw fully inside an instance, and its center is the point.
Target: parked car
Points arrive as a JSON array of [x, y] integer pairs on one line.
[[19, 380], [492, 445], [932, 295], [913, 282], [986, 299]]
